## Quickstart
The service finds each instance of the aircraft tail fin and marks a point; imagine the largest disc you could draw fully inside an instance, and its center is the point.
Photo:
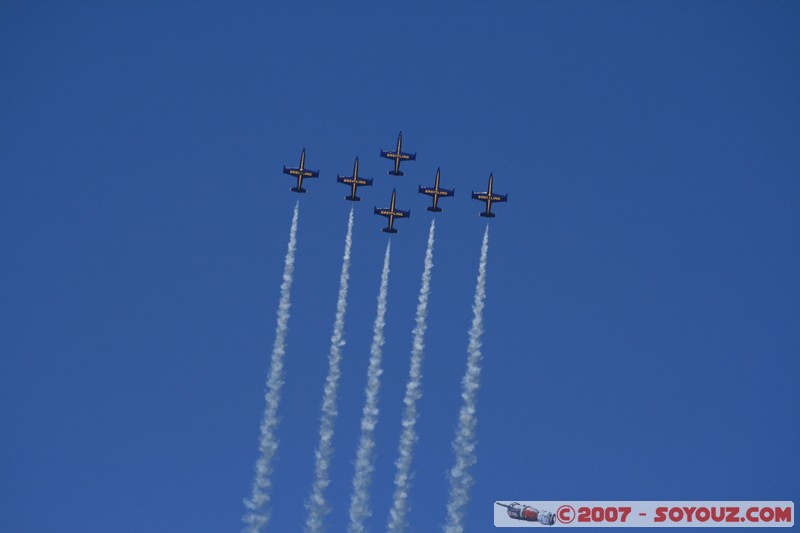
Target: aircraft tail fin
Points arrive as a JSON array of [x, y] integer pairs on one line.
[[353, 198], [298, 189], [487, 214], [387, 230], [434, 209], [398, 173]]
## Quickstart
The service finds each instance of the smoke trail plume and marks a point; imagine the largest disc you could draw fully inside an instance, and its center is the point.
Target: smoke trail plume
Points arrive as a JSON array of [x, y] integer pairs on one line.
[[464, 442], [359, 502], [257, 516], [408, 437], [316, 505]]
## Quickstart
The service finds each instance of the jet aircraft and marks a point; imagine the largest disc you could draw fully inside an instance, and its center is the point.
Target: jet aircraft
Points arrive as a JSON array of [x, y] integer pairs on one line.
[[489, 198], [398, 155], [391, 213], [436, 192], [354, 181], [300, 173]]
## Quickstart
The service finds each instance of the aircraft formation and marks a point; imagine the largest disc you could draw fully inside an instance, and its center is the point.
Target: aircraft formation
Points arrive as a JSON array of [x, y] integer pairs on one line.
[[488, 197], [463, 445]]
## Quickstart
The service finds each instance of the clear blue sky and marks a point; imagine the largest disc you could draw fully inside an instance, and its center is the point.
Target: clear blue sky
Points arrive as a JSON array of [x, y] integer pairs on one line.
[[642, 313]]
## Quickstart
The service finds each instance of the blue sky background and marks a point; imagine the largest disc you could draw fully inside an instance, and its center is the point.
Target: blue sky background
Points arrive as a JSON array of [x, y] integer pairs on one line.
[[642, 313]]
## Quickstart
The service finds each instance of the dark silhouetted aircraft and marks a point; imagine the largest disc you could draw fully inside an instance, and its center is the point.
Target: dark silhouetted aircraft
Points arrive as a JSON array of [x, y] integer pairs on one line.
[[398, 155], [354, 181], [300, 173], [489, 198], [391, 213], [436, 192]]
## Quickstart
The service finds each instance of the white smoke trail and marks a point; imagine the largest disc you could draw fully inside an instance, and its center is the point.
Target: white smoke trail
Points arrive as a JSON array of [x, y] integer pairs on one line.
[[316, 505], [408, 437], [359, 502], [257, 516], [464, 442]]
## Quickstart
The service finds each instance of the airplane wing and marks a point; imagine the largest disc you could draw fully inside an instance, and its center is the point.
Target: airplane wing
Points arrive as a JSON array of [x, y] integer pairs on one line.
[[388, 154], [500, 198], [482, 196], [430, 191], [312, 173], [388, 212], [361, 182], [291, 171], [405, 156]]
